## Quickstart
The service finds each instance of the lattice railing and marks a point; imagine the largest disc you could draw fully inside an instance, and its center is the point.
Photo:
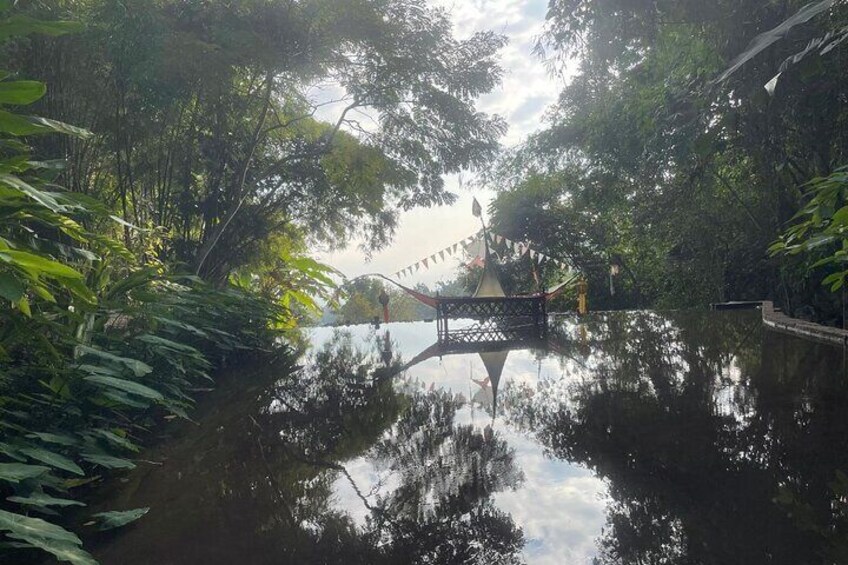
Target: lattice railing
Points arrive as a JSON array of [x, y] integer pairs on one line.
[[496, 319]]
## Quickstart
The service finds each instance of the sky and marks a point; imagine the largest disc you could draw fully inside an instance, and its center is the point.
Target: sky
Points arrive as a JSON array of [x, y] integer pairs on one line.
[[522, 98]]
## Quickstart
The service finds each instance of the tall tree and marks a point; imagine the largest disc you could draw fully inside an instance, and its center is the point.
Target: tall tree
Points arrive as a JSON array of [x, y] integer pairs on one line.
[[207, 123], [680, 177]]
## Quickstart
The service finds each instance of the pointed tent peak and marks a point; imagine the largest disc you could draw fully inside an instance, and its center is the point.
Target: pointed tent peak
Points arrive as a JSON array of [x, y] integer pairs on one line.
[[489, 285]]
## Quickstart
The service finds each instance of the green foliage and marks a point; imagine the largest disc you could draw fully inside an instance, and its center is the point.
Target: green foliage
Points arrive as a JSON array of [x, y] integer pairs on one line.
[[656, 161], [35, 532], [212, 133], [206, 158], [94, 348], [361, 303], [821, 228], [286, 276]]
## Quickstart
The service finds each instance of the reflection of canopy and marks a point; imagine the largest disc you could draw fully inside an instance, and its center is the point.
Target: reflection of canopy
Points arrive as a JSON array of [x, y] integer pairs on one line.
[[493, 361]]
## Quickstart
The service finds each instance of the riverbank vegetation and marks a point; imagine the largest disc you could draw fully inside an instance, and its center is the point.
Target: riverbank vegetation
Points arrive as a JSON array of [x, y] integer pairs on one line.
[[165, 233], [681, 154]]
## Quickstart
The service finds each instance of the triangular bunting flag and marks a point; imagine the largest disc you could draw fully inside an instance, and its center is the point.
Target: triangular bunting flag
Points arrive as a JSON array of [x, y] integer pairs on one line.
[[417, 267], [498, 238], [433, 258], [455, 245], [442, 255], [532, 254], [424, 261]]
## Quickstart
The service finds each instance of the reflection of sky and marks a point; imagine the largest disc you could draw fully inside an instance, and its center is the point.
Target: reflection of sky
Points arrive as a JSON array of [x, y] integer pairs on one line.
[[559, 506]]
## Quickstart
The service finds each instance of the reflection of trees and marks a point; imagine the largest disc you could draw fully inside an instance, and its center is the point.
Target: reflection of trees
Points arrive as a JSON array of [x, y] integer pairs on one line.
[[441, 511], [254, 483], [695, 463]]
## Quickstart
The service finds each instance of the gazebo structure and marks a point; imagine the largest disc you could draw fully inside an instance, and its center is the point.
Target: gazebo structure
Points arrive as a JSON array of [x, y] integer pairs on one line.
[[489, 316]]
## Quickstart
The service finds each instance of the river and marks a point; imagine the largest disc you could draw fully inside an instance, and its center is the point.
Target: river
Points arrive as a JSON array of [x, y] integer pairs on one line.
[[642, 437]]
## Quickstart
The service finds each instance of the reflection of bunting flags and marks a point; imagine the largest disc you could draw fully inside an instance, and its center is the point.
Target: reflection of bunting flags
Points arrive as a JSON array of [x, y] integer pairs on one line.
[[532, 254]]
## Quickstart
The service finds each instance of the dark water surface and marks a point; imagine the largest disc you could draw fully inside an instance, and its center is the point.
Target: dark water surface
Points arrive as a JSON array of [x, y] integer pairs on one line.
[[633, 438]]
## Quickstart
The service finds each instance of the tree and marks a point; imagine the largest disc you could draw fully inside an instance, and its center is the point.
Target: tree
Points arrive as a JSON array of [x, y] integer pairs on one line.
[[205, 125], [682, 179]]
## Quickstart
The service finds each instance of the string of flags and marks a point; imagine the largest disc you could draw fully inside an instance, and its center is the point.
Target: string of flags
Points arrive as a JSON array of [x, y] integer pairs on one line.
[[520, 248]]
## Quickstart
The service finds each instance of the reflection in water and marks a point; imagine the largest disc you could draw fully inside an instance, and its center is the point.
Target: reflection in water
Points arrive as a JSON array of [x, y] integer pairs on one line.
[[634, 438], [255, 482], [717, 447]]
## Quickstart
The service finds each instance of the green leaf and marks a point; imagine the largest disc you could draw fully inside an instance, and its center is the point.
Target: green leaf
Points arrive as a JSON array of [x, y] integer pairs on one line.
[[64, 545], [10, 287], [125, 399], [41, 500], [11, 452], [127, 386], [108, 461], [117, 440], [19, 125], [23, 525], [44, 198], [60, 439], [21, 91], [23, 306], [16, 472], [39, 264], [138, 368], [19, 24], [52, 459], [116, 519], [60, 127], [167, 343]]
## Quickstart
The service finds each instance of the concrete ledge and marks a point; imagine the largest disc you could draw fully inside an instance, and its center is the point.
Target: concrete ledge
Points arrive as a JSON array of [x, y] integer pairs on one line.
[[778, 321]]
